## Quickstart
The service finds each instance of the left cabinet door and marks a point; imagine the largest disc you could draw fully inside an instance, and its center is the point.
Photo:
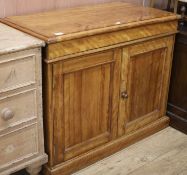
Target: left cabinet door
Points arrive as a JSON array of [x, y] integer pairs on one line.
[[85, 100]]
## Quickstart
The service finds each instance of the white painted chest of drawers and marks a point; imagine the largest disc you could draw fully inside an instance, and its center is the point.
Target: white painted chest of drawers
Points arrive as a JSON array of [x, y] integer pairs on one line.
[[21, 122]]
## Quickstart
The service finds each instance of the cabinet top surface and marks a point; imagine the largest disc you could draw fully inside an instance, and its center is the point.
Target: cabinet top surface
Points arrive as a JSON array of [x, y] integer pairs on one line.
[[70, 23], [12, 40]]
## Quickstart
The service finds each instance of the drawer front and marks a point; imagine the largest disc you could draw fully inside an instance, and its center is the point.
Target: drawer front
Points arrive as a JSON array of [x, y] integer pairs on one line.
[[16, 72], [17, 109], [18, 145], [110, 39]]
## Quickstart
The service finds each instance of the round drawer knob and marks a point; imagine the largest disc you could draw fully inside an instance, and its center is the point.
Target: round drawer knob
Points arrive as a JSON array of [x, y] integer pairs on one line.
[[7, 114]]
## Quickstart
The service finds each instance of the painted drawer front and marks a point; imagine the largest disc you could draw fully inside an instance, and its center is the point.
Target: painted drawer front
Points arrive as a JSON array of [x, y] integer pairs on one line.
[[17, 108], [18, 145], [15, 73]]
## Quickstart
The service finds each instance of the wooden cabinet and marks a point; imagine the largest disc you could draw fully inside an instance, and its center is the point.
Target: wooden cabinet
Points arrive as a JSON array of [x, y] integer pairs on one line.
[[105, 79], [21, 122]]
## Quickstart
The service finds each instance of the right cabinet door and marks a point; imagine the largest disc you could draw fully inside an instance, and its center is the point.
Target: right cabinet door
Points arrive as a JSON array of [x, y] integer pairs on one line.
[[144, 83]]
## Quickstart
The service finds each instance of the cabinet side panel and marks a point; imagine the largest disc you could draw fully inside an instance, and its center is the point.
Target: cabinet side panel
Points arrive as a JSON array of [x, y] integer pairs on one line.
[[48, 116], [167, 73]]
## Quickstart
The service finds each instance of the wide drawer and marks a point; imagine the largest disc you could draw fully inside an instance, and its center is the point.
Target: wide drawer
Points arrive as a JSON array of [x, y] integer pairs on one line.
[[17, 109], [63, 50], [16, 71], [18, 145]]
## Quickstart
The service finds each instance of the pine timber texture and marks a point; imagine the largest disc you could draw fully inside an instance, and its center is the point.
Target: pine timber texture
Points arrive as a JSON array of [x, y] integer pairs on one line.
[[21, 116], [149, 156]]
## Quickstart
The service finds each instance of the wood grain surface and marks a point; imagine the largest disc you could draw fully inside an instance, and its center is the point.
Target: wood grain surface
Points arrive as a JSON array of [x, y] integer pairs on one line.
[[149, 156], [89, 20], [20, 42], [20, 7], [88, 84], [62, 50], [146, 71], [20, 97]]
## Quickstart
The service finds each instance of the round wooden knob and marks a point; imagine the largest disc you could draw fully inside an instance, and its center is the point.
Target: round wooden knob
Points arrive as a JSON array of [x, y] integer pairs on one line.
[[7, 114], [124, 95]]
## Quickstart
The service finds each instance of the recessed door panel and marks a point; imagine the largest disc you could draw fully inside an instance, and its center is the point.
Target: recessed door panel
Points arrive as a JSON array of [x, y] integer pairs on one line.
[[145, 82]]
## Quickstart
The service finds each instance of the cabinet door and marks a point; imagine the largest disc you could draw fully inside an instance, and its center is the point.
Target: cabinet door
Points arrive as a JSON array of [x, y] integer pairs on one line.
[[85, 103], [144, 83]]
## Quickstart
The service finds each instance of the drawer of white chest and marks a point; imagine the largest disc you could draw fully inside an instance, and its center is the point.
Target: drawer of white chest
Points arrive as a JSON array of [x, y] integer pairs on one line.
[[17, 109], [18, 145], [16, 71]]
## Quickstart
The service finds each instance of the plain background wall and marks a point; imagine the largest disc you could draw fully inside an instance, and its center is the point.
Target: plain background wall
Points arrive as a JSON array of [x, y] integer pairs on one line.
[[19, 7]]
